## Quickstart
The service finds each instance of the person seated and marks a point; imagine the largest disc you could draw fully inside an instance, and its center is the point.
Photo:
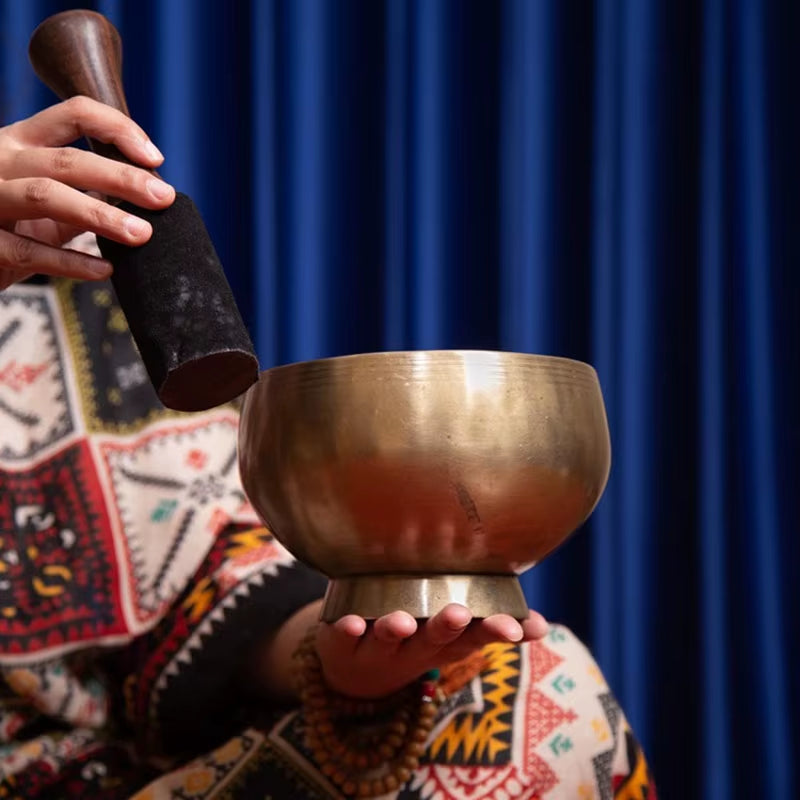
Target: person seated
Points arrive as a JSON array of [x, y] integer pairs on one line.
[[156, 641]]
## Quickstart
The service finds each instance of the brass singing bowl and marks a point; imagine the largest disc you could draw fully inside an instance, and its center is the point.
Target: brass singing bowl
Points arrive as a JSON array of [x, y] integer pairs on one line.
[[415, 479]]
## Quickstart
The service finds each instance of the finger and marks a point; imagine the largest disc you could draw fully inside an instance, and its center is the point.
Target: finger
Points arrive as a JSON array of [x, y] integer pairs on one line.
[[384, 637], [83, 170], [36, 198], [350, 626], [442, 629], [80, 116], [393, 628], [497, 629], [501, 628], [23, 256], [534, 627], [339, 640]]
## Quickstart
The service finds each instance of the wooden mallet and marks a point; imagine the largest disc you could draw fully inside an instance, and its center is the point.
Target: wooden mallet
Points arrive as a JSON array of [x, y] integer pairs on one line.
[[172, 290]]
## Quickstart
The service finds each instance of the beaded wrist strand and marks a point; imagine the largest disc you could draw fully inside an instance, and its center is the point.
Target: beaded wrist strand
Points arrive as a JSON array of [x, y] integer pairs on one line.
[[367, 748]]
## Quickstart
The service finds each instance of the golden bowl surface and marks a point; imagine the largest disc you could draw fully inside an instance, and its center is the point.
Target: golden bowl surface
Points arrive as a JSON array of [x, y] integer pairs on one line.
[[424, 464]]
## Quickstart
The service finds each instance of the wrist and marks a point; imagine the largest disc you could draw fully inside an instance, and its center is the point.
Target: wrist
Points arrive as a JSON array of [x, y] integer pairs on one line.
[[366, 746]]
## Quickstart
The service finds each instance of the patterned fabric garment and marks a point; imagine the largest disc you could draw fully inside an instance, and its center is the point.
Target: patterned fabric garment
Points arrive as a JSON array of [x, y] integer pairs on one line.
[[538, 722], [134, 579]]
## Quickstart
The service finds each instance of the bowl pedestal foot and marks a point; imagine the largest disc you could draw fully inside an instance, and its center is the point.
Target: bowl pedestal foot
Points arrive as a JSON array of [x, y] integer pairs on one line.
[[372, 596]]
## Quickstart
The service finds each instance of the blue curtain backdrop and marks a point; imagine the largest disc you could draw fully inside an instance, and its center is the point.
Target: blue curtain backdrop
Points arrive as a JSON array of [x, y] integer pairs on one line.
[[611, 181]]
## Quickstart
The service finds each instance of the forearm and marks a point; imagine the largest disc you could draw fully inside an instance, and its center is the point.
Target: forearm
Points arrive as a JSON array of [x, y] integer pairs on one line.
[[270, 670]]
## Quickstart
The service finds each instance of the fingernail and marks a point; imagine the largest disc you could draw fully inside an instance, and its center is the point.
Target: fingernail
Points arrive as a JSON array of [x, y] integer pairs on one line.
[[513, 632], [136, 228], [159, 189], [152, 151]]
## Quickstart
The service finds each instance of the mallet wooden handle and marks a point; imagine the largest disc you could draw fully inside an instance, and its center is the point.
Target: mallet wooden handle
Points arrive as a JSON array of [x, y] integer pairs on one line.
[[80, 53]]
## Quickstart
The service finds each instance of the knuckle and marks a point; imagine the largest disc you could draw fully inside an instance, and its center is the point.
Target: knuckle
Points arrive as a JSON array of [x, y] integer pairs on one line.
[[100, 216], [79, 105], [38, 190], [17, 160], [23, 251], [64, 160], [79, 110], [126, 177]]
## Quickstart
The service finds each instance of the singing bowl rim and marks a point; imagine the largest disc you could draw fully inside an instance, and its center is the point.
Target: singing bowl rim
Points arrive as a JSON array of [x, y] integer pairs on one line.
[[401, 357]]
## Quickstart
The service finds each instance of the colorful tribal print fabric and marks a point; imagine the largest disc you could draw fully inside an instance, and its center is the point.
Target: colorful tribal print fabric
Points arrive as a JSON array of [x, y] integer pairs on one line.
[[538, 722], [134, 579]]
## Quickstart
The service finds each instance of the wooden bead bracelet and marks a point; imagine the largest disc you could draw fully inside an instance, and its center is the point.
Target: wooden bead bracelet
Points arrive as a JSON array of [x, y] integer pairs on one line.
[[367, 748]]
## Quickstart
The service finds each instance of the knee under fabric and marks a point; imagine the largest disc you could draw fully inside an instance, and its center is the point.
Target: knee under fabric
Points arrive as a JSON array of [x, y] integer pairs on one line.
[[181, 310]]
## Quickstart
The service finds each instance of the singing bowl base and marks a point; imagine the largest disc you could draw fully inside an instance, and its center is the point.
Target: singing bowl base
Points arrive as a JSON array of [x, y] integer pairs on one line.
[[372, 596]]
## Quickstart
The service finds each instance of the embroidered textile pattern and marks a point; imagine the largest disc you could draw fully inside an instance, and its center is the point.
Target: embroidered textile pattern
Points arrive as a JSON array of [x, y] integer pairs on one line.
[[35, 406], [58, 582], [173, 487], [115, 391], [81, 489], [550, 750], [135, 579]]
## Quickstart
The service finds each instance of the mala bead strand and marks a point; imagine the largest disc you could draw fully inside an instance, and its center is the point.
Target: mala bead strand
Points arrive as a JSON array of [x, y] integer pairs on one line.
[[367, 748]]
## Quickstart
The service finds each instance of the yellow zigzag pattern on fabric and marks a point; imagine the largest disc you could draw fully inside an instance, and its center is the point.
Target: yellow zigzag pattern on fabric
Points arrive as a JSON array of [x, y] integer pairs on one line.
[[476, 733], [199, 602], [201, 598], [637, 784], [246, 541]]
